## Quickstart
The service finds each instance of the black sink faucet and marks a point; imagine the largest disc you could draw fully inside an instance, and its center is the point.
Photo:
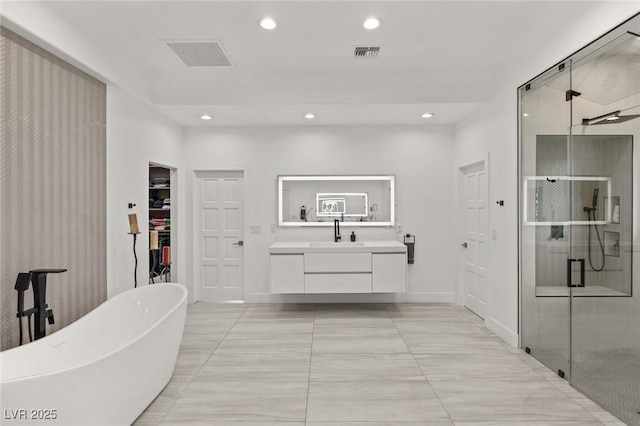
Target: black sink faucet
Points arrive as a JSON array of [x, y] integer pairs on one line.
[[336, 230]]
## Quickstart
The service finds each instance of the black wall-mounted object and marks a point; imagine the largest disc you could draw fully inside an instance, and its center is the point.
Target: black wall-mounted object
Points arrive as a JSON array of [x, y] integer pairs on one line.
[[570, 94], [131, 205], [500, 203], [410, 242]]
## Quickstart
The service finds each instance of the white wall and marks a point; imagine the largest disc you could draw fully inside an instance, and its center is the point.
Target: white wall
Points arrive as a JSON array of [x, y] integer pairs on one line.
[[420, 157], [136, 135], [493, 130]]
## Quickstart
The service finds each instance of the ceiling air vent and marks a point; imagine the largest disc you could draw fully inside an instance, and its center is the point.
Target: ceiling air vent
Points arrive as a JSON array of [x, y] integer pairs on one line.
[[200, 54], [366, 52]]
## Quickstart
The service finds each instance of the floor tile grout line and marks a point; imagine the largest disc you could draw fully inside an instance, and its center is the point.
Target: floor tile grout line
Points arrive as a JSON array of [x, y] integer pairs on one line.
[[306, 408], [423, 373], [554, 383], [219, 343], [514, 355], [196, 373]]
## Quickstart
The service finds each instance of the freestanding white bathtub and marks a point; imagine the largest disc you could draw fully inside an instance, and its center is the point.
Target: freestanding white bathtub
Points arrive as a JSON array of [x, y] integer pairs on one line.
[[103, 369]]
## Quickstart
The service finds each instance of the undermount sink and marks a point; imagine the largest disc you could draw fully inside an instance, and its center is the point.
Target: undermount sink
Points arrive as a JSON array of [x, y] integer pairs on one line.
[[336, 244]]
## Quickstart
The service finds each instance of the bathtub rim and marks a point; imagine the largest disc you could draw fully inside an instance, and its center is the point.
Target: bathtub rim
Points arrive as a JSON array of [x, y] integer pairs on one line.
[[109, 353]]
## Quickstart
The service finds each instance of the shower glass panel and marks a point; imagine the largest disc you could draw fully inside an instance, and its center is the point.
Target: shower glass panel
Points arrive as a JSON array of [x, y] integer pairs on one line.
[[580, 312], [605, 328], [546, 217]]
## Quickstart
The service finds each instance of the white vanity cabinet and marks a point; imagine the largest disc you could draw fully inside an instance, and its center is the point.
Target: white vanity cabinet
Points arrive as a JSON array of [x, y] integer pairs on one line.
[[337, 272], [287, 273], [389, 272], [312, 267]]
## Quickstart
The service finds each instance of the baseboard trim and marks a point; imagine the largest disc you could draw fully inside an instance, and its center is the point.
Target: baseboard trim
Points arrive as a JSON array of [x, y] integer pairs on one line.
[[503, 332], [352, 298]]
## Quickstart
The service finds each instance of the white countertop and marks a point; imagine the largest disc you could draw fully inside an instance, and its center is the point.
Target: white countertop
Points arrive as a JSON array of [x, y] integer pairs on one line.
[[299, 247]]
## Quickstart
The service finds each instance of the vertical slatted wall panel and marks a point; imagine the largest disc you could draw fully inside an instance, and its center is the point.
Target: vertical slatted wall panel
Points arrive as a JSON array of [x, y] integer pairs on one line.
[[52, 182]]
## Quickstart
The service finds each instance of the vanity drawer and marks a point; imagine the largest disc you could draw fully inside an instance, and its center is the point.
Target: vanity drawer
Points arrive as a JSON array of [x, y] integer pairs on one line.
[[337, 262], [337, 283]]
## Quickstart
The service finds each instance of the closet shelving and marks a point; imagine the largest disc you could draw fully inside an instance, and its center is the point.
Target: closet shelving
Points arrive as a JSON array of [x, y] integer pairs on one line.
[[159, 219]]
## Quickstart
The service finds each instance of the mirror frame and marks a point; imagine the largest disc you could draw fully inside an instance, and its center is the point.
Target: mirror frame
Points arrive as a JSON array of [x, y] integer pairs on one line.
[[392, 201]]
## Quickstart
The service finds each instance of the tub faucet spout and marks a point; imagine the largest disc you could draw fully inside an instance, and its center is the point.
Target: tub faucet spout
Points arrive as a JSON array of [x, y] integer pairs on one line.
[[42, 312], [336, 230]]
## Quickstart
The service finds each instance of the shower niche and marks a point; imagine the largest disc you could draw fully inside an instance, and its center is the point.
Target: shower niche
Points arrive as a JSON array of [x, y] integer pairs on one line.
[[582, 214]]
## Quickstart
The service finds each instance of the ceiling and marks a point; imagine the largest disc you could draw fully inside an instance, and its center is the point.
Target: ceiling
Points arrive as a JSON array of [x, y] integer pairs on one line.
[[443, 57]]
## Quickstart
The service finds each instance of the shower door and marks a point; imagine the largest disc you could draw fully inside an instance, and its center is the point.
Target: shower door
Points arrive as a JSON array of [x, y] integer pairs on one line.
[[580, 315], [545, 227], [605, 319]]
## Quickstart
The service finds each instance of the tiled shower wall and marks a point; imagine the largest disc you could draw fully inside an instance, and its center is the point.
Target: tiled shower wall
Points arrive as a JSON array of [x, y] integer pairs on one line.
[[52, 182]]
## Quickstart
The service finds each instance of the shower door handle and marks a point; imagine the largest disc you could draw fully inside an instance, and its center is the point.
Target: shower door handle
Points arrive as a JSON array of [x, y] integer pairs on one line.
[[570, 275]]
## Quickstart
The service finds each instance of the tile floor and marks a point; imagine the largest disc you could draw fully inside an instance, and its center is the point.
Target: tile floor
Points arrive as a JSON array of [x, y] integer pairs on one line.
[[377, 364]]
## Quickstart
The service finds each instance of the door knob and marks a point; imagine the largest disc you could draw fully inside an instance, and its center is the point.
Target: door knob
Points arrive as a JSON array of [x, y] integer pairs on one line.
[[239, 243], [464, 244]]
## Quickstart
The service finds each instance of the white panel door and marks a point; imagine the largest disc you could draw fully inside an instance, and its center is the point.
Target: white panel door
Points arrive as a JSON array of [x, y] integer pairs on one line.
[[218, 236], [475, 223]]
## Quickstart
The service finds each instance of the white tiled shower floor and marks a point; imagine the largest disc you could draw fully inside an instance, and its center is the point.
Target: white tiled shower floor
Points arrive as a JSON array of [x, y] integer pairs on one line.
[[355, 364]]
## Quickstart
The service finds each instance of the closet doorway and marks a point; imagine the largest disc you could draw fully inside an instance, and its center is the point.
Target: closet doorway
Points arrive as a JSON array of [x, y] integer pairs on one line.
[[161, 217]]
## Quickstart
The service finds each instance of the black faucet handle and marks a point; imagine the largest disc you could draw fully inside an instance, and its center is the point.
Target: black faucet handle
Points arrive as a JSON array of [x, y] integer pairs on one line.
[[50, 318]]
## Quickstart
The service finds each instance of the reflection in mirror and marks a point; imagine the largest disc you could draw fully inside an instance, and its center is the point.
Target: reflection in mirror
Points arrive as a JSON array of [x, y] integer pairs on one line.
[[342, 204], [318, 200], [547, 199]]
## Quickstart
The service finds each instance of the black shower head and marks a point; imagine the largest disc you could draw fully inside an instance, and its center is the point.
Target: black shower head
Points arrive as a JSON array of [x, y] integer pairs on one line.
[[610, 118]]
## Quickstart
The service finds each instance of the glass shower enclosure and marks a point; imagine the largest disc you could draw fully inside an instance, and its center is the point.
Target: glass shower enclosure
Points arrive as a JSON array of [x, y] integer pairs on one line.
[[579, 129]]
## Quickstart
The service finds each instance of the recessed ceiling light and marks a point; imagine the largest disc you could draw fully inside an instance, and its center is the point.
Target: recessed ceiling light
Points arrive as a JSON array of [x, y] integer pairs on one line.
[[525, 115], [372, 23], [309, 116], [428, 115], [268, 24], [206, 117]]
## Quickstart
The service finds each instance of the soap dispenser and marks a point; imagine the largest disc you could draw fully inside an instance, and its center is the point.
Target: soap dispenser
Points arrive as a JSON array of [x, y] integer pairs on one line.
[[353, 236]]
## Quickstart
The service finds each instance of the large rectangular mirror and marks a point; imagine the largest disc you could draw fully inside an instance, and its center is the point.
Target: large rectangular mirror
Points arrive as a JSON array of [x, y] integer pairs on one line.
[[319, 200]]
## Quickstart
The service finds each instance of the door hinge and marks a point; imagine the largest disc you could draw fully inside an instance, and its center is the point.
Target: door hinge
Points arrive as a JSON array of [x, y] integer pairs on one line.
[[570, 94], [561, 373], [527, 349]]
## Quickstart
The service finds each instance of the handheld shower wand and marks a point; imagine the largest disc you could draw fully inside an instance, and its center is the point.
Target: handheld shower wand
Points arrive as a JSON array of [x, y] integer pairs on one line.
[[594, 203], [589, 210]]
